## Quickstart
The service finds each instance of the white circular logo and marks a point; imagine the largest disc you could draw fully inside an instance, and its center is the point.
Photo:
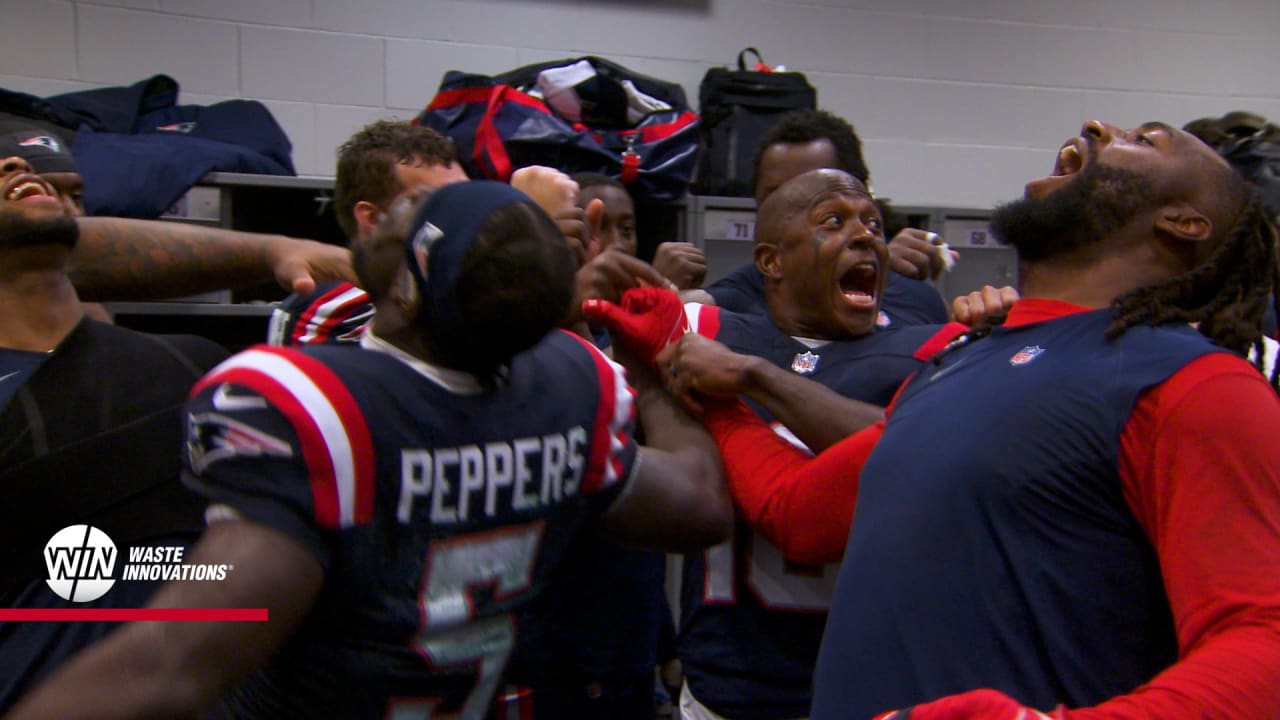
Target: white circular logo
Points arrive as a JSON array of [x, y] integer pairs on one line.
[[81, 560]]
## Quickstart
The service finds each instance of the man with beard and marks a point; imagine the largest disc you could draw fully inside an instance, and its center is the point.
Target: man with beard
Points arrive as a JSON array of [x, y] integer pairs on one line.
[[400, 505], [1095, 525], [90, 416]]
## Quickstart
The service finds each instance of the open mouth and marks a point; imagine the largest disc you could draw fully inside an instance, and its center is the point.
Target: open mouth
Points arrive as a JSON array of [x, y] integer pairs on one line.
[[858, 284], [1070, 159], [25, 188]]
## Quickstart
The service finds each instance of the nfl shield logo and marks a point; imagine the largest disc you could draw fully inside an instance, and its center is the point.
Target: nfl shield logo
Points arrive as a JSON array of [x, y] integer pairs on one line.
[[804, 363], [883, 320], [1026, 355]]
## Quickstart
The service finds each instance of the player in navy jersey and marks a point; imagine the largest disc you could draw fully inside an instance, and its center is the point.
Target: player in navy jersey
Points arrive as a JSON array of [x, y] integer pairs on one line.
[[396, 506], [91, 418], [1066, 514], [804, 140], [751, 617]]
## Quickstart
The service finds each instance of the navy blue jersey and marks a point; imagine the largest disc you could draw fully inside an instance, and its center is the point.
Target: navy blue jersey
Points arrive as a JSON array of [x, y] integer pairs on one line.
[[15, 367], [592, 638], [93, 436], [968, 569], [438, 512], [751, 621], [741, 291], [905, 301], [599, 624], [616, 610]]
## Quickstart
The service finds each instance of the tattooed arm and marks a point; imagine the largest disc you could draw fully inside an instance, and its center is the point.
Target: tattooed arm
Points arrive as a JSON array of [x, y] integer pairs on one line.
[[125, 259]]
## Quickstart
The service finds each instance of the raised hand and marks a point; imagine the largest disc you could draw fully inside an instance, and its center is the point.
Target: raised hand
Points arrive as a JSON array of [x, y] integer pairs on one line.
[[920, 254], [682, 263]]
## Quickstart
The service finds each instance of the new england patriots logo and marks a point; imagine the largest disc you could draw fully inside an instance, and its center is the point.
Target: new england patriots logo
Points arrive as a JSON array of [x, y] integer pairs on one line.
[[178, 127], [882, 320], [212, 437], [42, 141], [1026, 355], [805, 363]]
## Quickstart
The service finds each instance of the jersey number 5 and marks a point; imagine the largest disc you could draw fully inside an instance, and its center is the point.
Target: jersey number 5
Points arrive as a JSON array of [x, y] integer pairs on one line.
[[456, 630]]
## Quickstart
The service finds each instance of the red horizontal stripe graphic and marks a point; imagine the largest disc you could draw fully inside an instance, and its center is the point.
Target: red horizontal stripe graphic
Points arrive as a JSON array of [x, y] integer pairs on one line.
[[133, 614]]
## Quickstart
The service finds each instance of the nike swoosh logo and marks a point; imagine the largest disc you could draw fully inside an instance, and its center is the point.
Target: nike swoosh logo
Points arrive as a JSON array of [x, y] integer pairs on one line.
[[224, 401], [6, 377]]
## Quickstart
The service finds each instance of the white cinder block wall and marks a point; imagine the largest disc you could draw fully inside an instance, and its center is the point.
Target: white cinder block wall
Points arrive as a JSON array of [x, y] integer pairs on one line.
[[958, 102]]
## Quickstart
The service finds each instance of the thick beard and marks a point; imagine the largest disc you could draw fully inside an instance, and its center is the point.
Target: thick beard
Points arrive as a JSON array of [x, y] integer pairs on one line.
[[22, 230], [1099, 201]]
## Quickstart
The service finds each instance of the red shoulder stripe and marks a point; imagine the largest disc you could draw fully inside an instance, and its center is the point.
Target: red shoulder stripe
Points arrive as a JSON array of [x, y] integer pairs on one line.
[[334, 435], [940, 340], [614, 415]]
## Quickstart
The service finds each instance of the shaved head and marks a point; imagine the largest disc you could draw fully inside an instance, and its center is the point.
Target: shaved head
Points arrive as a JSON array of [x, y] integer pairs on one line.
[[797, 195]]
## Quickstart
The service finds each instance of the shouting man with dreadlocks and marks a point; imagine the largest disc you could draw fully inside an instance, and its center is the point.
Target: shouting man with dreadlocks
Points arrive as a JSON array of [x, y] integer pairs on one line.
[[1078, 511]]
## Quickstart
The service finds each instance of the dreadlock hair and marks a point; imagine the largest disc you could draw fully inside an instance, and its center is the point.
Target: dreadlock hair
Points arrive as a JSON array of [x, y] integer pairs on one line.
[[367, 160], [804, 126], [1227, 294]]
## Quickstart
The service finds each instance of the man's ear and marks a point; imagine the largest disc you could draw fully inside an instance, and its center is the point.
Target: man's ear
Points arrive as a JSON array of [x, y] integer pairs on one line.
[[768, 260], [404, 293], [1183, 222], [367, 216]]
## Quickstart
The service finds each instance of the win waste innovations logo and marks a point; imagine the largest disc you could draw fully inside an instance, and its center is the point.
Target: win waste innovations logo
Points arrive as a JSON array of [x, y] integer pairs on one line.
[[81, 560]]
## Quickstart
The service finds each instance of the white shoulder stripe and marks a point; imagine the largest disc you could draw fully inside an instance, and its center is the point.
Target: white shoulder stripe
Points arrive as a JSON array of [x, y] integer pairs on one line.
[[693, 311], [333, 431], [623, 413], [327, 310]]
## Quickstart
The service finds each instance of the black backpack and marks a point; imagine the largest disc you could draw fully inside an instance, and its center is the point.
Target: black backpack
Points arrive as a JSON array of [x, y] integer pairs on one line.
[[738, 107]]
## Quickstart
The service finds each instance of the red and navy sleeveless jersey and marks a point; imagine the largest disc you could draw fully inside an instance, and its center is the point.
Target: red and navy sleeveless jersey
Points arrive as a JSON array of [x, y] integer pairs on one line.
[[981, 561], [438, 515], [751, 621]]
